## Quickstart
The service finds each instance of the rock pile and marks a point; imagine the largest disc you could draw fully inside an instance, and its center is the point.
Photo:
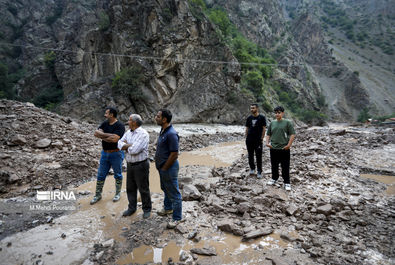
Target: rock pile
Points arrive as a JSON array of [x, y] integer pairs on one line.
[[40, 150], [332, 213]]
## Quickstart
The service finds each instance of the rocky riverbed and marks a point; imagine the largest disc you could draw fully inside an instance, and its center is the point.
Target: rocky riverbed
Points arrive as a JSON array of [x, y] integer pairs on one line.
[[335, 213]]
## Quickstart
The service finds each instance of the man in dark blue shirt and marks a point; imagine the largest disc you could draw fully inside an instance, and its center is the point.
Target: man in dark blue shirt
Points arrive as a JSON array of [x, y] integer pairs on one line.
[[167, 164], [110, 131]]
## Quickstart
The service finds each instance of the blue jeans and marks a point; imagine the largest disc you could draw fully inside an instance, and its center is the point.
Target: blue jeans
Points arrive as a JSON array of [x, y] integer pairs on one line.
[[108, 160], [169, 185]]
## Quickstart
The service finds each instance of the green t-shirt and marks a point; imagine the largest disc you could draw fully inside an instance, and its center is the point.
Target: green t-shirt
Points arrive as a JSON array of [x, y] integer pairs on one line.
[[279, 132]]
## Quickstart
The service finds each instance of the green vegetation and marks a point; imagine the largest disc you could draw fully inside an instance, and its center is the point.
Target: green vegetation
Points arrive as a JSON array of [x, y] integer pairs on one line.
[[256, 65], [364, 115], [254, 59], [49, 60], [104, 21], [356, 30], [290, 101], [49, 98], [128, 82], [8, 81], [383, 118]]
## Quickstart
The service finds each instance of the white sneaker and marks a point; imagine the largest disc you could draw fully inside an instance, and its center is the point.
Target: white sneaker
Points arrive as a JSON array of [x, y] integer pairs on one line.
[[271, 182], [252, 172], [259, 176], [287, 187]]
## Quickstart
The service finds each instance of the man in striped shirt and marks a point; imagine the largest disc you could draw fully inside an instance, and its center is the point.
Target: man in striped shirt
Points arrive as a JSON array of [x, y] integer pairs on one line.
[[135, 143]]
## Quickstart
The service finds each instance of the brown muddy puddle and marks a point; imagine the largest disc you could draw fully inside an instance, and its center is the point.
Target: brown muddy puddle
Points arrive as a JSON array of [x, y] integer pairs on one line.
[[229, 248], [90, 224], [389, 180]]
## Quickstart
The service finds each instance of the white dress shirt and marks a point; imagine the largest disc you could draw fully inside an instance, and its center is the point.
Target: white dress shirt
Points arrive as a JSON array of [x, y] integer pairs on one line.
[[139, 139]]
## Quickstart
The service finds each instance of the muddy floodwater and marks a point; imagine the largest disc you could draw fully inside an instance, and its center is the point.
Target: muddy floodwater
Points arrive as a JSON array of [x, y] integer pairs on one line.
[[94, 223], [334, 214], [389, 180]]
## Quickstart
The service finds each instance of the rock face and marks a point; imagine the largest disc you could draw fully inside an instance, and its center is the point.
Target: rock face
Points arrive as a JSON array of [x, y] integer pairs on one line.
[[160, 38], [306, 65]]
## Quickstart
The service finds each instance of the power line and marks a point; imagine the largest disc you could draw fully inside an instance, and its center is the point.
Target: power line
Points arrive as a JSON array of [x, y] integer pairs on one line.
[[159, 58]]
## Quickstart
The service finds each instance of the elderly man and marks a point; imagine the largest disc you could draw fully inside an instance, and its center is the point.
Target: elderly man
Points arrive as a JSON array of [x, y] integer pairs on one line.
[[135, 142]]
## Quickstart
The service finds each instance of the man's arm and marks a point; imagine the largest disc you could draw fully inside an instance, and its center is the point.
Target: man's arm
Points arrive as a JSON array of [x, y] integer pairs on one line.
[[172, 158], [107, 137], [291, 139], [268, 141], [263, 132], [246, 132], [139, 144]]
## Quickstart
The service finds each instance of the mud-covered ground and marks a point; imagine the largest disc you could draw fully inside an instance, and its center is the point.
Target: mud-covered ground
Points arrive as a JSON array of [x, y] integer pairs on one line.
[[335, 213]]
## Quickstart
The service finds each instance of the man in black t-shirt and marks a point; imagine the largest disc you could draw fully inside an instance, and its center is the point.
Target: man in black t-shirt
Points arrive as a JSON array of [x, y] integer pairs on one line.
[[110, 131], [255, 132]]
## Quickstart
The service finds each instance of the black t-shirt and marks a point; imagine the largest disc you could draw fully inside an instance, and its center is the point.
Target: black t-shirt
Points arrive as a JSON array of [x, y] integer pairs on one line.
[[255, 127], [117, 128]]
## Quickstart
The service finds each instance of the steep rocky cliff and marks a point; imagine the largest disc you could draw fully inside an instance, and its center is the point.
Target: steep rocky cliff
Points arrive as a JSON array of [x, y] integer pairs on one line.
[[305, 59], [95, 40], [73, 50]]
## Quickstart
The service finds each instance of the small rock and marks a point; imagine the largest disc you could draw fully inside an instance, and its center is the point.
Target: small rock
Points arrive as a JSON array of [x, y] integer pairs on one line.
[[99, 255], [43, 143], [325, 209], [192, 234], [9, 244], [258, 233], [109, 243], [206, 251], [84, 192], [63, 235]]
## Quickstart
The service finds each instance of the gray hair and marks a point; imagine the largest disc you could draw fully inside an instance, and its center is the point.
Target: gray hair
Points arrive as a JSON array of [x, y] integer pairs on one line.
[[137, 118]]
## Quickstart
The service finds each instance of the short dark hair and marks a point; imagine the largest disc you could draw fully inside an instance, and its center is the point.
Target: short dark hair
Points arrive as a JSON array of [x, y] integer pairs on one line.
[[113, 111], [279, 108], [255, 104], [166, 114]]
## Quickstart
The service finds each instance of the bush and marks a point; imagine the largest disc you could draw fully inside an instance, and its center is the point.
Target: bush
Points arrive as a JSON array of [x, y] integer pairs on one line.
[[49, 97], [364, 115], [49, 60], [253, 81], [311, 117], [128, 82], [104, 21]]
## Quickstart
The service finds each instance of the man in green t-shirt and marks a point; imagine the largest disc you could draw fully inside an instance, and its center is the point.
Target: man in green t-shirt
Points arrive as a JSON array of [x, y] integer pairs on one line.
[[280, 135]]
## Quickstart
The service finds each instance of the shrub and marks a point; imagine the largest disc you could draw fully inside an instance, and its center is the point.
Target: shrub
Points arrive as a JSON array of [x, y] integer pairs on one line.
[[128, 82], [364, 115], [253, 81], [49, 60], [104, 21], [48, 98]]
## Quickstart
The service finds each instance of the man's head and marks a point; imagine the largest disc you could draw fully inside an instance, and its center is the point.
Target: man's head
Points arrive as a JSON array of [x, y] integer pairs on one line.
[[164, 116], [135, 121], [279, 112], [110, 113], [254, 108]]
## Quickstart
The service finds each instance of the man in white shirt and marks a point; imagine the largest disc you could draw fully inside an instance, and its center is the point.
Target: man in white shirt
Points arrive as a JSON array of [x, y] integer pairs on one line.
[[135, 143]]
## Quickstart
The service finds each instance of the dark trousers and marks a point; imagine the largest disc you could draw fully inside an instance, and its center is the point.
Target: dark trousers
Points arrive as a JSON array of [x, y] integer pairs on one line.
[[283, 157], [254, 147], [138, 178]]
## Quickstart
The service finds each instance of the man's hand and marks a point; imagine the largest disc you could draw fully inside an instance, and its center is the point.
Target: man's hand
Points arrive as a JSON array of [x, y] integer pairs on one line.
[[287, 147], [269, 145]]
